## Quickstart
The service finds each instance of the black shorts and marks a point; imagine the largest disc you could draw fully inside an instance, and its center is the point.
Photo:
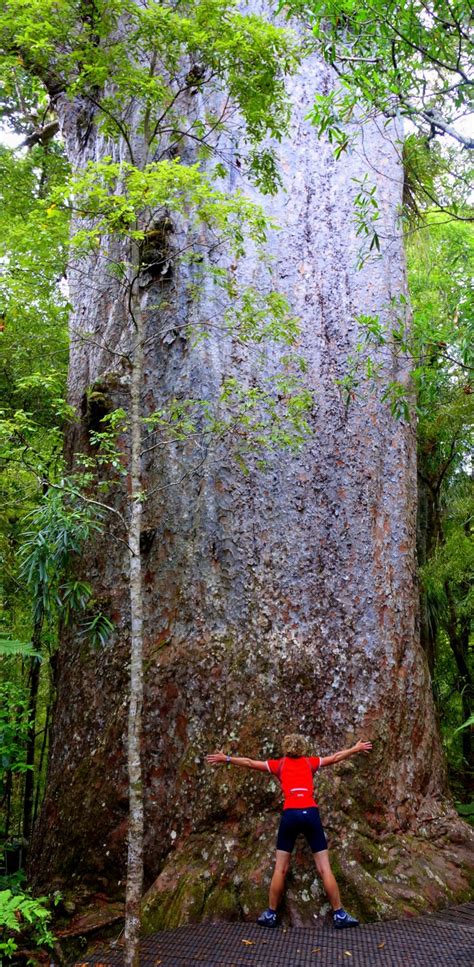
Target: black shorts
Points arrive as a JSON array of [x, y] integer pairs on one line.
[[305, 821]]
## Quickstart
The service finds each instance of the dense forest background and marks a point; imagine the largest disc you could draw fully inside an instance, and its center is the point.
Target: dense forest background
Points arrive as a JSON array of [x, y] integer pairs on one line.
[[43, 529]]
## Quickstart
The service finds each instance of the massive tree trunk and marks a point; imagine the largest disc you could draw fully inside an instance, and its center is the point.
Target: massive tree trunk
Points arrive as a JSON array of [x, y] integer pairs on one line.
[[278, 601]]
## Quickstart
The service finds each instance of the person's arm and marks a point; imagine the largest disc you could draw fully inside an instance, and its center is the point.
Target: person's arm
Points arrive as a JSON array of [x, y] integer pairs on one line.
[[330, 760], [220, 758]]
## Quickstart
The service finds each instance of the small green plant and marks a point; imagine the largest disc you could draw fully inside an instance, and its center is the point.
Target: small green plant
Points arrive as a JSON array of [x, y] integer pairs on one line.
[[14, 723], [11, 881], [23, 916], [466, 810], [465, 725]]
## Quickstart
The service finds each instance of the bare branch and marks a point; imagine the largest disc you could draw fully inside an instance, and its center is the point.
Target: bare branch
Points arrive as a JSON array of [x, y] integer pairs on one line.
[[434, 118]]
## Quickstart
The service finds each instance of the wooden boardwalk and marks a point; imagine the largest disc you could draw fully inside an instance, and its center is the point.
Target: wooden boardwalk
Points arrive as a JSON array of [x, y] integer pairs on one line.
[[444, 939]]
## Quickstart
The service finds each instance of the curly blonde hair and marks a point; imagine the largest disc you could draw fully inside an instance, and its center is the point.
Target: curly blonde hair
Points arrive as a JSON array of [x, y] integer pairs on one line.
[[294, 746]]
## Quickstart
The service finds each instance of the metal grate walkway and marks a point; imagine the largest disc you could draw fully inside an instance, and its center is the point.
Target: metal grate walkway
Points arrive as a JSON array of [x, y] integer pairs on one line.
[[444, 939]]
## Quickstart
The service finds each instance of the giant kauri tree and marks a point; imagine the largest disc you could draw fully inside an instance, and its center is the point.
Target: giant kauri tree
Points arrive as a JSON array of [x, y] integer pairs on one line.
[[275, 598]]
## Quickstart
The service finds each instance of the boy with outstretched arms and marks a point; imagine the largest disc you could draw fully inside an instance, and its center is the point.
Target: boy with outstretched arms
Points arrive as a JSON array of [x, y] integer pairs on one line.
[[300, 814]]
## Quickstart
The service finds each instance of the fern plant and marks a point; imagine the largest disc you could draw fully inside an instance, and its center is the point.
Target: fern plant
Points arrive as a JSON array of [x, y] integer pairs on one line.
[[23, 914], [18, 649]]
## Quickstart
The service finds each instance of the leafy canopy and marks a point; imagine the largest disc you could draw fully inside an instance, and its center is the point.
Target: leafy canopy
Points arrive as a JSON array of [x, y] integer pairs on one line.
[[155, 58], [395, 57]]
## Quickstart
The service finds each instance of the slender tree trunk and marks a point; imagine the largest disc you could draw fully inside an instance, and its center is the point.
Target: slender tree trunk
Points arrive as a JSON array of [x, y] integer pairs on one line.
[[424, 546], [134, 890], [34, 679], [7, 802], [41, 761], [458, 636]]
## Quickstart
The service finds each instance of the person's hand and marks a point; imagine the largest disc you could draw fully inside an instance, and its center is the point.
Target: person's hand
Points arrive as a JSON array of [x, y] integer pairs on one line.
[[216, 758], [365, 747]]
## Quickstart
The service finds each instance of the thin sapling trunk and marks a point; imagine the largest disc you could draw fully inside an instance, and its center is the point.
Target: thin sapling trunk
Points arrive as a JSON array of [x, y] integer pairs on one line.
[[134, 887]]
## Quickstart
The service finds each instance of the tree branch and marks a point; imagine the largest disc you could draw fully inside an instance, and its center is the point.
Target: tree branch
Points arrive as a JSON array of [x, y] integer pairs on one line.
[[41, 135], [435, 119]]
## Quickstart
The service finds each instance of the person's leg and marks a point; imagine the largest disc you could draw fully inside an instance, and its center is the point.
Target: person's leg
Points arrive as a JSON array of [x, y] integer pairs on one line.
[[317, 841], [323, 867], [285, 842], [282, 865], [340, 916]]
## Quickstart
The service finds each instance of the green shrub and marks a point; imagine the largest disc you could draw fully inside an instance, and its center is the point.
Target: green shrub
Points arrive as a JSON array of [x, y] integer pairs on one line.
[[25, 916]]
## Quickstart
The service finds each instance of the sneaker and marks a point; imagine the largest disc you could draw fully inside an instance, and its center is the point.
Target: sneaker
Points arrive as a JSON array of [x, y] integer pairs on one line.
[[342, 919], [267, 919]]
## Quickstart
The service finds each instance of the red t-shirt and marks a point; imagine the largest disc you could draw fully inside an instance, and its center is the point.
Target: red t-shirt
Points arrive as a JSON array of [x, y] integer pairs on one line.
[[296, 779]]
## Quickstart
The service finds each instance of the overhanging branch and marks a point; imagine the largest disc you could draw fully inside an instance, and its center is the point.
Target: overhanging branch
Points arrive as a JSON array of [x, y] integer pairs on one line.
[[437, 121]]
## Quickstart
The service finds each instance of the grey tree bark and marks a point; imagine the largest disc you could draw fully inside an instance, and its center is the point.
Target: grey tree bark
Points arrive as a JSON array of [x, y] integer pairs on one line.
[[273, 602], [134, 883]]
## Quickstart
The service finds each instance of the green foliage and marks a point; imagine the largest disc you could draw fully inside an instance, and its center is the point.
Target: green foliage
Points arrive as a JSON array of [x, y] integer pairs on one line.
[[437, 344], [24, 101], [25, 916], [122, 202], [33, 312], [258, 317], [97, 629], [10, 648], [77, 50], [466, 810], [394, 57], [448, 693], [125, 201], [441, 266], [466, 725], [219, 46], [451, 565], [14, 721], [366, 215], [33, 357], [58, 530], [11, 881], [424, 167], [257, 424], [397, 60]]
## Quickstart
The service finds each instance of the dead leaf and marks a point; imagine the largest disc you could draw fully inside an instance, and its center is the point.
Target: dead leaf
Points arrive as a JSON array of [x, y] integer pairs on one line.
[[316, 950], [249, 943], [347, 953], [381, 945]]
